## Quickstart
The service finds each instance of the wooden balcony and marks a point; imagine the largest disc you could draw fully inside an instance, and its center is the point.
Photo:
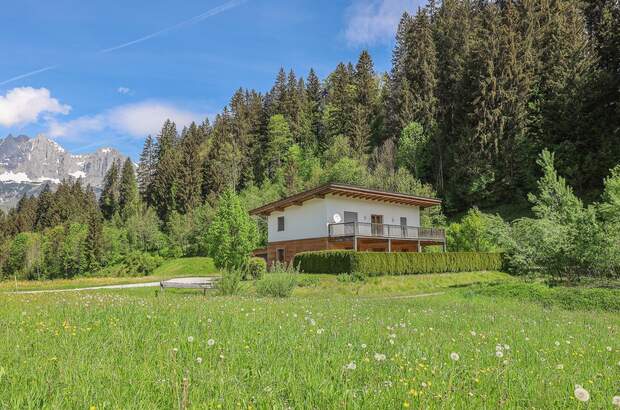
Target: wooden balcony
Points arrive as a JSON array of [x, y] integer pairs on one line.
[[385, 231]]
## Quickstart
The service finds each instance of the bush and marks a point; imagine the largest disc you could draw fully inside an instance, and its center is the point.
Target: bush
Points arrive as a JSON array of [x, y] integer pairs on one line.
[[230, 284], [399, 263], [352, 277], [140, 264], [256, 268], [279, 285]]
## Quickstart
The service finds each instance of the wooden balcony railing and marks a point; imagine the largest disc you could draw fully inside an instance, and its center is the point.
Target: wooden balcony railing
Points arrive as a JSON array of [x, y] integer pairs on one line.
[[366, 229]]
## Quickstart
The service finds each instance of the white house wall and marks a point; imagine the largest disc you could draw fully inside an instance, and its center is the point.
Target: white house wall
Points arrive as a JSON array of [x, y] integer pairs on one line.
[[310, 220], [300, 222]]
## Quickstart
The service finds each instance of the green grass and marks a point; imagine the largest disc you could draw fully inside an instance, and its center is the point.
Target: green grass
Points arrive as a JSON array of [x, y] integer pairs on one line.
[[115, 349], [565, 297], [172, 268]]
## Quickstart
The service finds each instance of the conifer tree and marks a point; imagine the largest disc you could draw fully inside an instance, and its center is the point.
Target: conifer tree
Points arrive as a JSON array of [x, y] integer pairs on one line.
[[109, 199], [314, 104], [146, 170], [166, 177], [190, 169], [128, 201]]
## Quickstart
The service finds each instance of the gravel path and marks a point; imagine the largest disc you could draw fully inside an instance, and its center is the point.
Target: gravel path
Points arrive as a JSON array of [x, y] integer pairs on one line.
[[123, 286]]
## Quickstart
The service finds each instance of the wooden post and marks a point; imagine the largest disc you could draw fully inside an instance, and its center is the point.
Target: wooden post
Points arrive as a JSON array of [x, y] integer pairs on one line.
[[389, 245], [355, 242], [419, 247]]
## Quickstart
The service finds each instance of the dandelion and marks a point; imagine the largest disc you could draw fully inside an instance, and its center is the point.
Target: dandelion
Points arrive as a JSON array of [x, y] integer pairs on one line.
[[363, 345], [379, 357], [616, 401], [199, 360], [499, 354], [454, 356], [560, 366], [609, 348], [350, 366], [472, 333], [320, 331], [581, 394], [210, 342], [190, 339], [506, 347], [557, 343]]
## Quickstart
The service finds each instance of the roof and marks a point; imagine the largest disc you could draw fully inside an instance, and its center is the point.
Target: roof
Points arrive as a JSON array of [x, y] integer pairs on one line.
[[350, 191]]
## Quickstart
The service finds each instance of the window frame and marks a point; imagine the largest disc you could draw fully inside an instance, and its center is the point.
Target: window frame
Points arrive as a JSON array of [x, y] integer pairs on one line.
[[280, 218]]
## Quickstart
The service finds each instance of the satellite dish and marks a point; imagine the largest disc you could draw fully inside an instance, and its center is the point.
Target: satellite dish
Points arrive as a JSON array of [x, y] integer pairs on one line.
[[337, 218]]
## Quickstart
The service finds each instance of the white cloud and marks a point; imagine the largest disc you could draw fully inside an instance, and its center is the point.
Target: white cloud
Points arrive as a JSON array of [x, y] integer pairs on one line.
[[374, 21], [135, 120], [24, 105], [124, 90]]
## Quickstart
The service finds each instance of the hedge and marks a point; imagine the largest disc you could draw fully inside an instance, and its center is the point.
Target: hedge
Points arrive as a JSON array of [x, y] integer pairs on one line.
[[397, 263]]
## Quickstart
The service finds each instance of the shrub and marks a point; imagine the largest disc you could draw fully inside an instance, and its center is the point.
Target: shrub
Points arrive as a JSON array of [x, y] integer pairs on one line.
[[279, 285], [140, 264], [308, 282], [256, 268], [230, 284], [352, 277], [399, 263]]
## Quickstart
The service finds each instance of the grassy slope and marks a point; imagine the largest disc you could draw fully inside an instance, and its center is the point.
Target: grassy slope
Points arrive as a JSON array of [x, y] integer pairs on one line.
[[82, 350], [169, 269]]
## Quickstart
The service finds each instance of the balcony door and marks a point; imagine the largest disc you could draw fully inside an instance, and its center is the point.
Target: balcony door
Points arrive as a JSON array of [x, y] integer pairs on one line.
[[377, 225], [350, 219]]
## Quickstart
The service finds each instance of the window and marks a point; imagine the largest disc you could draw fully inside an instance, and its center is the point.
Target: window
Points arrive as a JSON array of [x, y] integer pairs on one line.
[[280, 255], [280, 223], [403, 221]]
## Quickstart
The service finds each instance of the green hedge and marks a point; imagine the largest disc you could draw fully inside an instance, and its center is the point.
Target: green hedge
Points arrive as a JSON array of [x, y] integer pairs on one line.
[[397, 263]]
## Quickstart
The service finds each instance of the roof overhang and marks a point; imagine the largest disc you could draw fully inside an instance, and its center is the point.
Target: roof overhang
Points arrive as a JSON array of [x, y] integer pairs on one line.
[[349, 191]]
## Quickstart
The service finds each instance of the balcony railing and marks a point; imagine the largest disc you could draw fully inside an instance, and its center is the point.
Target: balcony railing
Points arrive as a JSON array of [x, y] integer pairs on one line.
[[366, 229]]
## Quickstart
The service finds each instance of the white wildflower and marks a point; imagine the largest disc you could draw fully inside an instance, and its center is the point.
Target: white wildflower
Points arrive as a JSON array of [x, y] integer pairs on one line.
[[499, 354], [557, 343], [473, 333], [190, 339], [560, 366], [199, 360], [616, 401], [609, 348], [363, 345], [210, 342], [454, 356]]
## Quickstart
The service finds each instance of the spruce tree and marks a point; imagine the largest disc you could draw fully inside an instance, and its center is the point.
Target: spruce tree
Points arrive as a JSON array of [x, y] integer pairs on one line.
[[109, 199], [146, 170], [128, 201], [166, 176], [314, 104], [190, 169]]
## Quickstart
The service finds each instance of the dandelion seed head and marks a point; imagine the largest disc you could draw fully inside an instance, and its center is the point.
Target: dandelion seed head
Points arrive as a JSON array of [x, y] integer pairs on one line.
[[615, 401], [454, 356], [499, 353], [210, 342], [190, 339], [199, 360], [581, 394], [350, 366], [379, 357]]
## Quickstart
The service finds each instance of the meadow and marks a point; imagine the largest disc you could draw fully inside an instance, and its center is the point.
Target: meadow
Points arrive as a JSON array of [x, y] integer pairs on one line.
[[459, 349]]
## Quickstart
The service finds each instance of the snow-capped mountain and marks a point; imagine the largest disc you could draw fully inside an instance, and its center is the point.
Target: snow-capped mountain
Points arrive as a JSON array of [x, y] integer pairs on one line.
[[26, 164]]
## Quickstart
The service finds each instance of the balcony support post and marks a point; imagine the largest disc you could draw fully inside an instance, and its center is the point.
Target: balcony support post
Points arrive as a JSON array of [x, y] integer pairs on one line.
[[389, 245], [355, 242], [419, 246]]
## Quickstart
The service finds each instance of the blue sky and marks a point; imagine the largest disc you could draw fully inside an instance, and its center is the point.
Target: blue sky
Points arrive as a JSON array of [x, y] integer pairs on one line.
[[188, 58]]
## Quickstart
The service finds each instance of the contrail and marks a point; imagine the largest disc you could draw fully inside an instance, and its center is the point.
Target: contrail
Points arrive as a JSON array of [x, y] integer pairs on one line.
[[19, 77], [196, 19]]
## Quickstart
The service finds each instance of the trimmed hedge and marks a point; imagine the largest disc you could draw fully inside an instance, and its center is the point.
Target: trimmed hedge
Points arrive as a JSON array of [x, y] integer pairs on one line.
[[396, 263]]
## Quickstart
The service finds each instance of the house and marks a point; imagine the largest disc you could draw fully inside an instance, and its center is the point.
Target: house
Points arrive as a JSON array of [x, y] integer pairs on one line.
[[339, 216]]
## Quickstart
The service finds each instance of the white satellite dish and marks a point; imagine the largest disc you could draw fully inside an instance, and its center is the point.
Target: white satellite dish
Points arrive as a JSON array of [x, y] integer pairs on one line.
[[337, 218]]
